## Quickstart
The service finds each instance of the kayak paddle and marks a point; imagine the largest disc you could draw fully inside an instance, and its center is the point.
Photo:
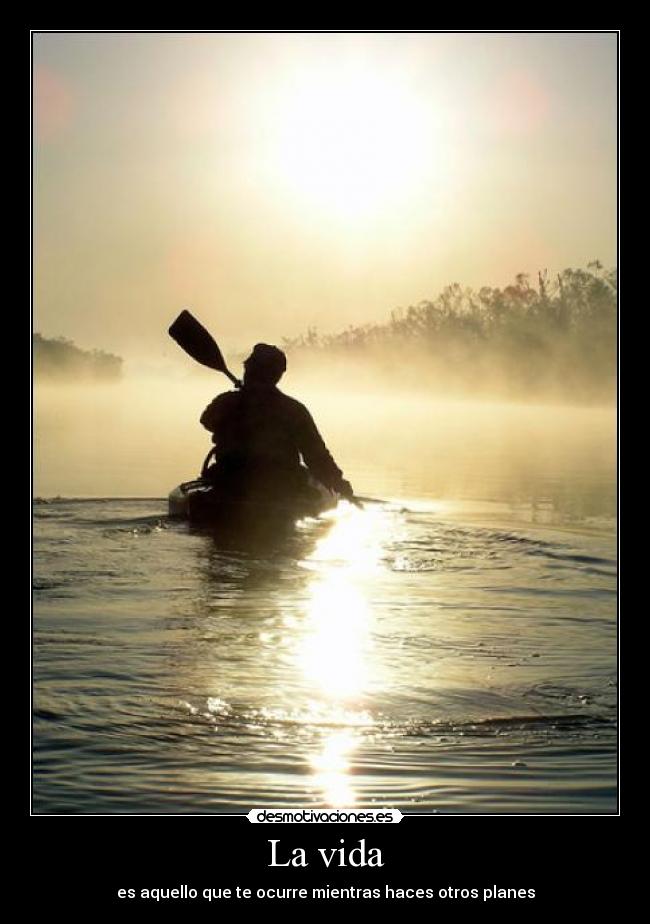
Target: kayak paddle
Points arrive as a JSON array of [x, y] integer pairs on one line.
[[198, 343]]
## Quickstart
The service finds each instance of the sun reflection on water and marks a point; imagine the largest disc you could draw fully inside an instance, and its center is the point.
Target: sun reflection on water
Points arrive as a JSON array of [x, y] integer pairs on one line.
[[332, 768], [333, 652], [335, 655]]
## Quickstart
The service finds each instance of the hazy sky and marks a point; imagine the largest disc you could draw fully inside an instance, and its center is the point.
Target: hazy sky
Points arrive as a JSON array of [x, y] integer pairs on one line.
[[276, 181]]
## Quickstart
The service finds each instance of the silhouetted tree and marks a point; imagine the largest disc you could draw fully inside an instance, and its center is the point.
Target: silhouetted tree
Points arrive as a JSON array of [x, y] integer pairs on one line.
[[559, 336], [60, 359]]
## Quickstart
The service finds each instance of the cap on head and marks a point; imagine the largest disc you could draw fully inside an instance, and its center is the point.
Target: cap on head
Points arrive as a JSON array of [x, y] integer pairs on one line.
[[265, 364]]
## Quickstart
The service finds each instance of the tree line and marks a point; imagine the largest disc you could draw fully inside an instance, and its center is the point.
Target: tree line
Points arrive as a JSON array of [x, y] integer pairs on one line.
[[557, 336], [60, 359]]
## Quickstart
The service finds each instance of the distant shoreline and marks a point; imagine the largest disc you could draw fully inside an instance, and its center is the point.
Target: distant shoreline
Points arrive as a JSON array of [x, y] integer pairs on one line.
[[59, 359]]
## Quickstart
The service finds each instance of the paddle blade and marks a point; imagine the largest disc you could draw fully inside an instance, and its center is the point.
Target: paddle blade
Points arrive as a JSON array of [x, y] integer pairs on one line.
[[192, 337]]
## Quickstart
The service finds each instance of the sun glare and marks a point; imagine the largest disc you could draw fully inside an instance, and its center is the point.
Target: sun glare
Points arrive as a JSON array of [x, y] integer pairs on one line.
[[350, 143]]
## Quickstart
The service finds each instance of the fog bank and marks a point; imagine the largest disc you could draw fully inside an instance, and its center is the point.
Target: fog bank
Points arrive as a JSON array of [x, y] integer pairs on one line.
[[142, 436]]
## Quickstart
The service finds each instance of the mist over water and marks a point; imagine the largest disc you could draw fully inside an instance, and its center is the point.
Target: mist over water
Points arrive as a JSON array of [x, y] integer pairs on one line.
[[142, 436]]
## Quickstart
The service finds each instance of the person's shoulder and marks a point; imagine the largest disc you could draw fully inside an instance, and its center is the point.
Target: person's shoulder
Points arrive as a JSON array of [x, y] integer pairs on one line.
[[226, 397], [292, 403], [224, 403]]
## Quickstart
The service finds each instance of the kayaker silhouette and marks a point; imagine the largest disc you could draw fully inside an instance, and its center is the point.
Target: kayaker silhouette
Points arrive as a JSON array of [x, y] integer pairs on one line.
[[261, 435]]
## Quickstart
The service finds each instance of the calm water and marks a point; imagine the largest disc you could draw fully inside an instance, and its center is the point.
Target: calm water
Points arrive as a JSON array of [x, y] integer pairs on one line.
[[451, 650]]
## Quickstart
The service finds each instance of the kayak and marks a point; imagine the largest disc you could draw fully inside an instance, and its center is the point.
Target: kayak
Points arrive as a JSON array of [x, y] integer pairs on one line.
[[201, 503]]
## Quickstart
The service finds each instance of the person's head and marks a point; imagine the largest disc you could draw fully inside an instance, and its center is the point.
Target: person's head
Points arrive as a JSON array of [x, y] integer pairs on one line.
[[265, 365]]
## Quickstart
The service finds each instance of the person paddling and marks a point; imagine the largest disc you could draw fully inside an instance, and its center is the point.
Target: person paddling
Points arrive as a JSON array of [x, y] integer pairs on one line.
[[261, 434]]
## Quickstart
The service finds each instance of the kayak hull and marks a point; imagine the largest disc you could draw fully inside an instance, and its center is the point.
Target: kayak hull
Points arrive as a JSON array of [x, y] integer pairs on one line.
[[200, 503]]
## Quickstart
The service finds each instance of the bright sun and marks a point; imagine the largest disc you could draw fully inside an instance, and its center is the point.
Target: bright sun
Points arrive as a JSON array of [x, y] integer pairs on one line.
[[350, 143]]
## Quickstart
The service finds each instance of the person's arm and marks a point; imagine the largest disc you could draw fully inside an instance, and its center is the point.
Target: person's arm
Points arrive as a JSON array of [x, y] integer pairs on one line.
[[317, 457]]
